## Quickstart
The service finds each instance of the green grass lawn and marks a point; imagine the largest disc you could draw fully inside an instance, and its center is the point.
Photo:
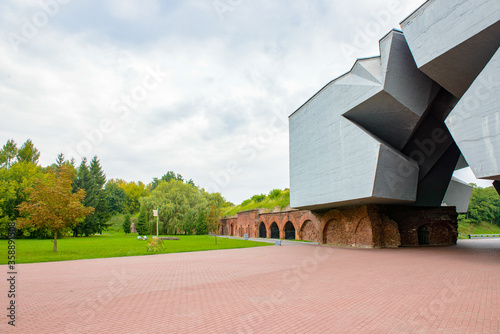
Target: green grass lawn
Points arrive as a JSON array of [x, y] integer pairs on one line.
[[483, 228], [112, 245]]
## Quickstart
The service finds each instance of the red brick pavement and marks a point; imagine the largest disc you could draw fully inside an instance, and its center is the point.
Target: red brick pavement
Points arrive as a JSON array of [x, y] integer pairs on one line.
[[287, 289]]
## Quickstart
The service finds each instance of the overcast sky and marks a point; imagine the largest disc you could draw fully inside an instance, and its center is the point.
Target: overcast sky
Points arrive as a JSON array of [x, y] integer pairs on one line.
[[200, 87]]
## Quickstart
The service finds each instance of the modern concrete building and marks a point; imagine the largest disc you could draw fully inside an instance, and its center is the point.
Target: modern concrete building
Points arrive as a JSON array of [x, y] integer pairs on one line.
[[372, 154], [392, 130], [458, 195]]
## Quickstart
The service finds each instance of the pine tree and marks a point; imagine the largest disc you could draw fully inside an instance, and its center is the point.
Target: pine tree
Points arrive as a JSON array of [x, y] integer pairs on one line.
[[85, 181], [142, 225], [97, 173], [126, 224], [101, 209], [60, 159], [92, 179]]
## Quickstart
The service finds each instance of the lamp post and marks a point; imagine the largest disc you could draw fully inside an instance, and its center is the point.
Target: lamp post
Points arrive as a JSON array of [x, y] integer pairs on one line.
[[155, 214]]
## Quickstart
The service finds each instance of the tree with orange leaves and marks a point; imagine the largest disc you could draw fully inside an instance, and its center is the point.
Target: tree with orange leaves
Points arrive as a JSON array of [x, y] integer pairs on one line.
[[213, 220], [52, 204]]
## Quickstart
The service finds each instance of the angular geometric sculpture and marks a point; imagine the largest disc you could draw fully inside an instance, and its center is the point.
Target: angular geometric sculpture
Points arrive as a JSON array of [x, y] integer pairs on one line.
[[456, 44], [344, 141], [377, 135], [475, 122], [458, 195], [404, 93], [453, 40]]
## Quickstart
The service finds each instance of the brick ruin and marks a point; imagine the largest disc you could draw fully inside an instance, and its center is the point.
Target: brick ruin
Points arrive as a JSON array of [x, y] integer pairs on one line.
[[365, 226]]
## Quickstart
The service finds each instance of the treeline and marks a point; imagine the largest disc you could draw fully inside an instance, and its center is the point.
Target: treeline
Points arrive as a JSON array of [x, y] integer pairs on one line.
[[183, 206], [484, 207]]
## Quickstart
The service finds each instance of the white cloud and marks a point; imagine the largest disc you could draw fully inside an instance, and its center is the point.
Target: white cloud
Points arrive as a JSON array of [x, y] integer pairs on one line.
[[133, 10]]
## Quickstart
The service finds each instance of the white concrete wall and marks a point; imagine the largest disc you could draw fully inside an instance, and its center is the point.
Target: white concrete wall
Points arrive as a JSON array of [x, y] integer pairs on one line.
[[440, 25], [475, 122], [458, 195]]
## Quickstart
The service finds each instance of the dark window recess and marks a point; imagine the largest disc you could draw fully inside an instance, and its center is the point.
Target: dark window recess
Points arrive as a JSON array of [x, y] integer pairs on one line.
[[262, 231], [423, 235], [289, 231], [275, 232]]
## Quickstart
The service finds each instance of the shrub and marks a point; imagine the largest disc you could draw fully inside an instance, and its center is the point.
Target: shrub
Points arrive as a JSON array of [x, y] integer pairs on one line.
[[155, 244], [245, 202], [275, 193], [126, 224], [258, 198]]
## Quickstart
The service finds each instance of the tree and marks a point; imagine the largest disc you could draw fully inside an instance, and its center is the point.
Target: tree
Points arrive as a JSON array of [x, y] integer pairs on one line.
[[189, 222], [172, 176], [152, 186], [213, 220], [60, 159], [484, 206], [126, 224], [215, 199], [116, 198], [28, 153], [142, 226], [13, 181], [85, 181], [8, 154], [167, 178], [101, 213], [201, 223], [178, 202], [53, 205], [134, 191], [97, 173], [92, 179]]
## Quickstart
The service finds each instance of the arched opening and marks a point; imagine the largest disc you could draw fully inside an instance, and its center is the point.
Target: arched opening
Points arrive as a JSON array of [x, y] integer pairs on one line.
[[275, 231], [262, 230], [232, 229], [423, 235], [337, 233], [309, 231], [364, 234], [289, 231]]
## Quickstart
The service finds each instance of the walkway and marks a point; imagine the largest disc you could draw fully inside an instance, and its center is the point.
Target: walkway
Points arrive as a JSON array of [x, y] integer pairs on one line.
[[287, 289]]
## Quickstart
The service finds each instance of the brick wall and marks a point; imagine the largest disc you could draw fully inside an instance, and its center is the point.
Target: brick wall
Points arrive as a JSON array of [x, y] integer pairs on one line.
[[441, 223], [356, 226]]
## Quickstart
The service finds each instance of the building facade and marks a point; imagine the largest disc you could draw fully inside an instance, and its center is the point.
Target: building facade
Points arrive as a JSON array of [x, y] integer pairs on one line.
[[365, 226]]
